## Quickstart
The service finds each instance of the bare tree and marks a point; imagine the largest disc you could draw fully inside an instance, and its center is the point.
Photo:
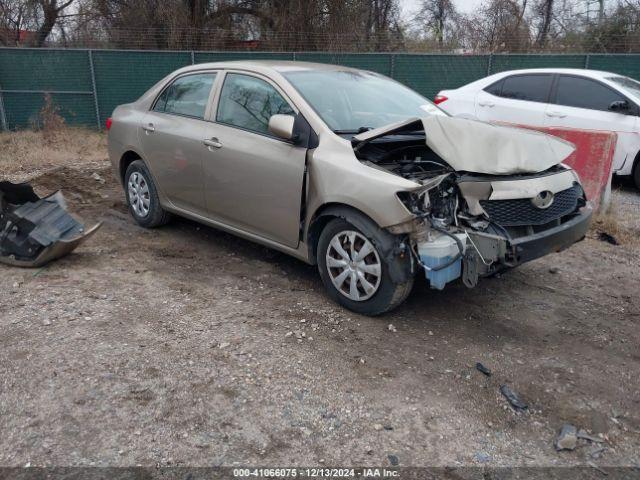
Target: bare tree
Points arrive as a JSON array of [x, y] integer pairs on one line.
[[498, 26], [16, 16], [435, 15], [275, 24], [48, 12], [544, 11]]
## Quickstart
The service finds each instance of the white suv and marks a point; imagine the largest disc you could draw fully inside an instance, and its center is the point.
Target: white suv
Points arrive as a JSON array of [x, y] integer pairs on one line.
[[565, 98]]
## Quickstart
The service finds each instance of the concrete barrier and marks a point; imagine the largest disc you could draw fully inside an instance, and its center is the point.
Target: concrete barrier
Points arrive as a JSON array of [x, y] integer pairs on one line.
[[592, 159]]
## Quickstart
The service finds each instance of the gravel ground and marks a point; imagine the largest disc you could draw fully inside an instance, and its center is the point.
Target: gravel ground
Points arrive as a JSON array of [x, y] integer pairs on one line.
[[188, 346]]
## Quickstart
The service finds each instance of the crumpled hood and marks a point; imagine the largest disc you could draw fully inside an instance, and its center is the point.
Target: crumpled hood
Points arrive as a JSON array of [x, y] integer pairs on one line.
[[479, 147]]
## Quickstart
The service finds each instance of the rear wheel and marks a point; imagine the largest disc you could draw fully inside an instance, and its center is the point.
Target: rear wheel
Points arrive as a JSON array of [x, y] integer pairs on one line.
[[636, 175], [142, 196], [354, 270]]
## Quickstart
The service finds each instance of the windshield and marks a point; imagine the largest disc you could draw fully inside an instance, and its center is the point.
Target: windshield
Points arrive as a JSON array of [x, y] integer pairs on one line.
[[628, 84], [354, 101]]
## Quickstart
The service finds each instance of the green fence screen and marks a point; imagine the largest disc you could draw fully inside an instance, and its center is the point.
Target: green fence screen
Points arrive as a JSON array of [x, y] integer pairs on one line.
[[86, 85]]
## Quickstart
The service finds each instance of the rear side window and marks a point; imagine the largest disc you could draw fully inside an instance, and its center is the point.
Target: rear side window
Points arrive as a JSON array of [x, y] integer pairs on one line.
[[495, 88], [532, 88], [187, 95], [249, 102], [584, 93]]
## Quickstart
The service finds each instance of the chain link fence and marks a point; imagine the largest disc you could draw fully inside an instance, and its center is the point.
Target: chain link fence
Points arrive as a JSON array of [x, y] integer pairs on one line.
[[84, 86]]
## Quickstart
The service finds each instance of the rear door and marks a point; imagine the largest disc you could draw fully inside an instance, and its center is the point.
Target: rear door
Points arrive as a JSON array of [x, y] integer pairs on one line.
[[583, 103], [172, 133], [517, 99], [253, 180]]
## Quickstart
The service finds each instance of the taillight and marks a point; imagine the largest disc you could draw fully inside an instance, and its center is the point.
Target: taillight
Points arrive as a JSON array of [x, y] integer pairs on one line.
[[439, 99], [108, 123]]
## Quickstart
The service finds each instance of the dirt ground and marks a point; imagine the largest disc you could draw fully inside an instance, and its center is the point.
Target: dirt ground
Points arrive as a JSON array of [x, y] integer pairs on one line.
[[170, 347]]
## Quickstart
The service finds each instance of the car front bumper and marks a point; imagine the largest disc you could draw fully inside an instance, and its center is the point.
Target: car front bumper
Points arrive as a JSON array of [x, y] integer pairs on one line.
[[556, 239]]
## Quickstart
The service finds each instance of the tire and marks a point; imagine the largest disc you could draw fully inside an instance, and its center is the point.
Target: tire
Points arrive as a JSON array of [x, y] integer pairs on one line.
[[636, 175], [388, 293], [142, 196]]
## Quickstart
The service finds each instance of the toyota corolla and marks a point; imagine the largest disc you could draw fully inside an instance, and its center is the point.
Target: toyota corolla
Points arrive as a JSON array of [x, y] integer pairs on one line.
[[348, 170]]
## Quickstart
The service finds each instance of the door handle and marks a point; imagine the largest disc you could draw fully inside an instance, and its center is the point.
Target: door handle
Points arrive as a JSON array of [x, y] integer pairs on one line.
[[149, 128], [212, 142], [486, 104], [556, 114]]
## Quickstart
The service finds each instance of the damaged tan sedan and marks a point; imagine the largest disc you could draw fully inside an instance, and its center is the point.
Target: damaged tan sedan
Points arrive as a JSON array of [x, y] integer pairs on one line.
[[348, 170]]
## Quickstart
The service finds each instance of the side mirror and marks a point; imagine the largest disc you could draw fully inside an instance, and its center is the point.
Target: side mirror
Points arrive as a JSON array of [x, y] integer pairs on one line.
[[282, 126], [620, 106]]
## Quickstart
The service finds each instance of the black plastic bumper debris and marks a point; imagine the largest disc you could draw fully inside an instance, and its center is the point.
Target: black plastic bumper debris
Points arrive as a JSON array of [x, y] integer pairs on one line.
[[34, 230], [513, 398]]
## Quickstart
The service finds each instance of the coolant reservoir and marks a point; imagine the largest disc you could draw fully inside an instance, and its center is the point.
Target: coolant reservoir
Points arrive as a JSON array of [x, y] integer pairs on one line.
[[438, 250]]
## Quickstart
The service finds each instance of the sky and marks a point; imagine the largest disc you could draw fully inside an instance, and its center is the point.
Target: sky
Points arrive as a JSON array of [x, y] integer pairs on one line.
[[465, 6]]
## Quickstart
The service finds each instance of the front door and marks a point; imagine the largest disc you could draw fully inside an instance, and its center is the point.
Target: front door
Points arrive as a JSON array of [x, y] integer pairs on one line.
[[253, 180], [172, 134], [583, 103]]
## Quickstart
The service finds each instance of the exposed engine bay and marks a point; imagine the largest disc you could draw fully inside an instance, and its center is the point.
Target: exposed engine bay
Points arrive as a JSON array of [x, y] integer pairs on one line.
[[471, 224]]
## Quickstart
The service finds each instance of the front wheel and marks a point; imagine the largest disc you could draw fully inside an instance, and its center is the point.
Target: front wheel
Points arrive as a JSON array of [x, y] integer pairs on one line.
[[354, 270]]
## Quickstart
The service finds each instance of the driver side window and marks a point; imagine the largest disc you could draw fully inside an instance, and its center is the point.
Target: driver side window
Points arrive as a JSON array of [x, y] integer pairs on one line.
[[249, 102]]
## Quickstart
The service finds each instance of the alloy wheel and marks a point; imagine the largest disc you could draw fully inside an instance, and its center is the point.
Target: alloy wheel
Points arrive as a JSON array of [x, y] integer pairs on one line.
[[354, 265], [139, 197]]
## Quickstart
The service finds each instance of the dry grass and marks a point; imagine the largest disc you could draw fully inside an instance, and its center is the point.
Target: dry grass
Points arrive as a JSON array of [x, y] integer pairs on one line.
[[618, 221], [24, 154]]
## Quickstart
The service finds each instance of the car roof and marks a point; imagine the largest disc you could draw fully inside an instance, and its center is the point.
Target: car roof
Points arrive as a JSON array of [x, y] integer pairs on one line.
[[569, 71], [266, 66]]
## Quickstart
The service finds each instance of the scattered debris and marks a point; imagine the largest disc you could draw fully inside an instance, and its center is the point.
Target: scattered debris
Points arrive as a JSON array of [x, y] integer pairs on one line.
[[34, 230], [596, 467], [607, 237], [585, 436], [224, 345], [568, 438], [482, 457], [288, 334], [599, 423], [98, 178], [482, 369], [391, 328], [513, 398], [595, 453], [393, 460]]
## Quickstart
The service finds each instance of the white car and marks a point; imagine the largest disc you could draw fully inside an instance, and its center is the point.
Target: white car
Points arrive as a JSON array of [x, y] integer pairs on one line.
[[555, 97]]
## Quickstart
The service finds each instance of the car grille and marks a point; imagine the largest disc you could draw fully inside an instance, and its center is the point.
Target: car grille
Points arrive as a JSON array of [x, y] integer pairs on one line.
[[521, 212]]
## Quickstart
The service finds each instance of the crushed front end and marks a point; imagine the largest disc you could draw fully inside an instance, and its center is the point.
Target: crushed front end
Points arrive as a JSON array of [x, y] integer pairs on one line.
[[473, 223], [472, 226]]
